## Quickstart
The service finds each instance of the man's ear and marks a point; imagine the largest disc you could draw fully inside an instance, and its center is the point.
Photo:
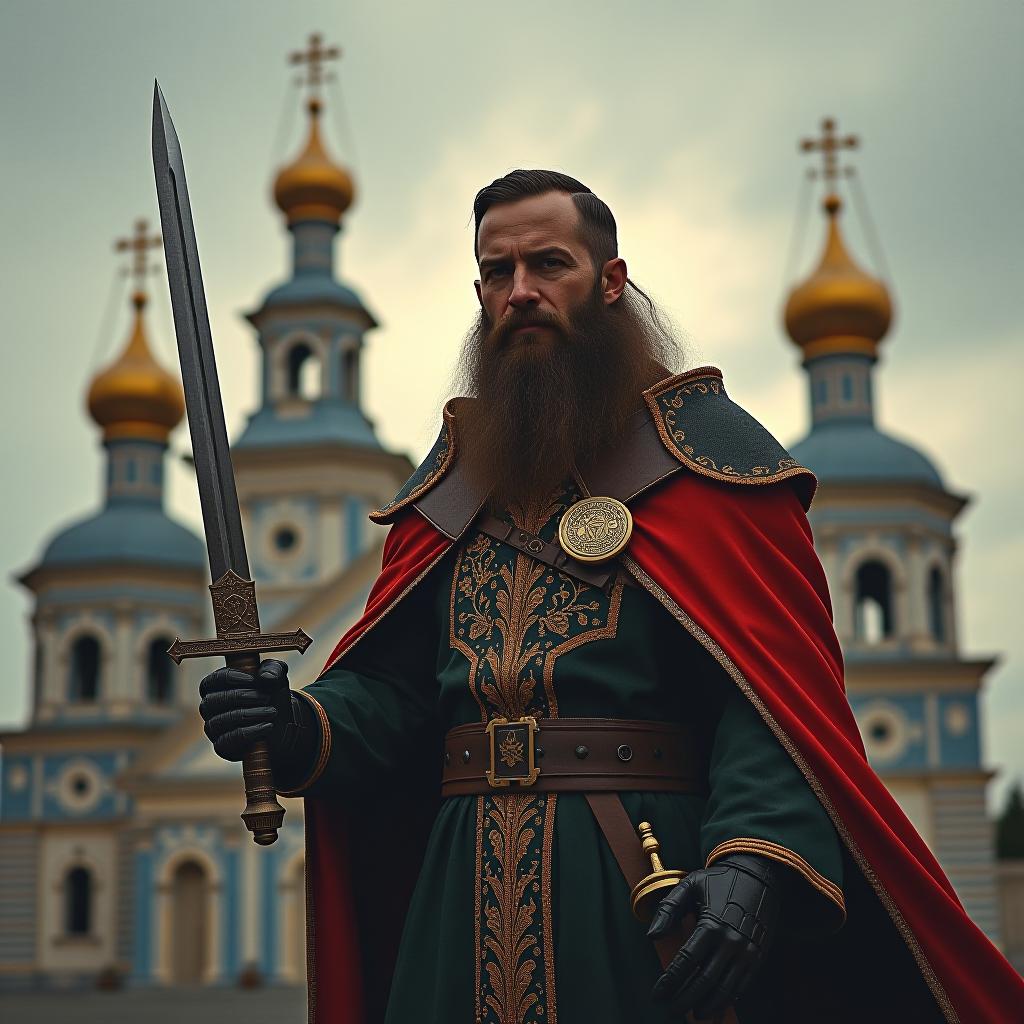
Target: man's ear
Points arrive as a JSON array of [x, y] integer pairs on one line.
[[479, 297], [613, 279]]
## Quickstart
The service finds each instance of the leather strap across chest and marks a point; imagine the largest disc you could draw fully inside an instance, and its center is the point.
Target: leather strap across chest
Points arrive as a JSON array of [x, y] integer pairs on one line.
[[601, 575], [573, 755], [638, 462]]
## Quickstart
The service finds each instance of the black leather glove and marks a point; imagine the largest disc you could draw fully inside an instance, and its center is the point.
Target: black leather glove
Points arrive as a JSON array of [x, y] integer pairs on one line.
[[737, 901], [239, 709]]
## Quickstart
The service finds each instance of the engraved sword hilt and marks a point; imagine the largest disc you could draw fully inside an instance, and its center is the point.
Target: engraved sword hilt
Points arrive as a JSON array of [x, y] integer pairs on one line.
[[241, 643]]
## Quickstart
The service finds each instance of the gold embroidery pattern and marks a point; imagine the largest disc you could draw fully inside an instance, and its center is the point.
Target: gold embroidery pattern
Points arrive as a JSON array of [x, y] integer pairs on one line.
[[666, 399], [513, 617], [894, 912], [510, 913]]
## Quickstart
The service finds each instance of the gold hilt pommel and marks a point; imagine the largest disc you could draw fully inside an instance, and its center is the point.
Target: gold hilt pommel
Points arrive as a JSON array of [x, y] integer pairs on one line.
[[650, 890]]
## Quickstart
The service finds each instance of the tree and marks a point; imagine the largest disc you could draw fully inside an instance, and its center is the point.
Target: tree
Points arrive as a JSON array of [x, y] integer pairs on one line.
[[1010, 826]]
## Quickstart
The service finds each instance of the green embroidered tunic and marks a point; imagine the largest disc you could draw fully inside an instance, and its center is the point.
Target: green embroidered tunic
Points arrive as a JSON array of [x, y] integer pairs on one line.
[[521, 914]]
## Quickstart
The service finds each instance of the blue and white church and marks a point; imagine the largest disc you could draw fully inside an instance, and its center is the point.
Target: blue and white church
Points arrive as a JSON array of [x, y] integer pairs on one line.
[[122, 856], [883, 521]]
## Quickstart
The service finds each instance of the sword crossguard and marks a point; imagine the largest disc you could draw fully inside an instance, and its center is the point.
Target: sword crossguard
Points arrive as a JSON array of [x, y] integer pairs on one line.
[[240, 642], [237, 621], [296, 640]]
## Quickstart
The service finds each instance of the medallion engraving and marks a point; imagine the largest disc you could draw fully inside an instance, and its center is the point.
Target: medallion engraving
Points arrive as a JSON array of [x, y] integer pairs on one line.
[[595, 529]]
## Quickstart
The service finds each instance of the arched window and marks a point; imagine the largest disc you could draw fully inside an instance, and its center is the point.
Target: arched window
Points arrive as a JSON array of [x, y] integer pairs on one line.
[[78, 901], [304, 373], [350, 371], [873, 618], [159, 672], [84, 684], [936, 604]]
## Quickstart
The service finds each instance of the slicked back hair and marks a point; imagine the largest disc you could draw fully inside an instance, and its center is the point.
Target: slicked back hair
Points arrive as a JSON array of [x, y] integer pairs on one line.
[[596, 223]]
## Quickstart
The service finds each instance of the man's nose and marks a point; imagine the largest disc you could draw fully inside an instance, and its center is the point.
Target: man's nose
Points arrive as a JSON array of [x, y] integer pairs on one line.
[[524, 292]]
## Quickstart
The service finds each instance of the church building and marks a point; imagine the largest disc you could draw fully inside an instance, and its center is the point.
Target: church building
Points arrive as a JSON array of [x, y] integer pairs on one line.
[[883, 527], [122, 856]]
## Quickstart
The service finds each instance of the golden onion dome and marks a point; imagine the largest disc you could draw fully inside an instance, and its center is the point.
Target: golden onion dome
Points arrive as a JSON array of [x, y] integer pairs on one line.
[[135, 396], [839, 308], [313, 187]]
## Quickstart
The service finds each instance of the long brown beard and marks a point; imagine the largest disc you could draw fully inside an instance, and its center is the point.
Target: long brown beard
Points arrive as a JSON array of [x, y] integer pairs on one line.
[[549, 401]]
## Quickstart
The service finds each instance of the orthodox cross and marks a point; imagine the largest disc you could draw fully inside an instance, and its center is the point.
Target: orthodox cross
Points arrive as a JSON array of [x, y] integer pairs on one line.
[[316, 55], [829, 145], [138, 245]]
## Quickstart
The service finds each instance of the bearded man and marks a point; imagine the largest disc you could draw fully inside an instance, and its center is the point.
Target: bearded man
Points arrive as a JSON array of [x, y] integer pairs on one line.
[[600, 615]]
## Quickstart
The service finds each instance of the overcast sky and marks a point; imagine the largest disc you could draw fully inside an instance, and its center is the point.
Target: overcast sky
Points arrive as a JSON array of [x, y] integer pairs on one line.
[[684, 116]]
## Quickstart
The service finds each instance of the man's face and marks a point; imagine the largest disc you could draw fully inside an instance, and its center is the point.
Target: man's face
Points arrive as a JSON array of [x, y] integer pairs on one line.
[[535, 269]]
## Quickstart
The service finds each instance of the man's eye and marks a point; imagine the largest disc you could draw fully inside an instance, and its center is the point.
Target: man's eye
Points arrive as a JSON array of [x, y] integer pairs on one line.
[[552, 261], [495, 272]]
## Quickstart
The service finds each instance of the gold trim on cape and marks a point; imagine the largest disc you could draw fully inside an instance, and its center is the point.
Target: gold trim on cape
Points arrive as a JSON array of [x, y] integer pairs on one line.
[[705, 640], [385, 514]]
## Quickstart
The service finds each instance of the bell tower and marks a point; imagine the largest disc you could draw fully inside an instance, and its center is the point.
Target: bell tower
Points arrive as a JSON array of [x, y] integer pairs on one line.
[[309, 465], [112, 590], [883, 522]]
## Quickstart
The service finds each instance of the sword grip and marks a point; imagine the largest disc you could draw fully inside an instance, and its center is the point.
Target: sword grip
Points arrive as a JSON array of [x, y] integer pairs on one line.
[[263, 815]]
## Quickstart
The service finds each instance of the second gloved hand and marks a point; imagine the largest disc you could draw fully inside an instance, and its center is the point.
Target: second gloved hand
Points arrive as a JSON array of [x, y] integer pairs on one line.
[[239, 709], [737, 901]]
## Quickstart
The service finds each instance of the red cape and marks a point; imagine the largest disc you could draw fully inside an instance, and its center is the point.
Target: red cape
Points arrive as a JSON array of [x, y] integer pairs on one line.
[[735, 564]]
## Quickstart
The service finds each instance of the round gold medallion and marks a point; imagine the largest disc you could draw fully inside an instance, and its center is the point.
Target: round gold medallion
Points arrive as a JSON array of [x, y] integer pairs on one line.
[[595, 529]]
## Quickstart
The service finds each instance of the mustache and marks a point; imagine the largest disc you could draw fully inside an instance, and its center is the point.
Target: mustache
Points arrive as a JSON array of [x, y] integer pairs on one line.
[[502, 331]]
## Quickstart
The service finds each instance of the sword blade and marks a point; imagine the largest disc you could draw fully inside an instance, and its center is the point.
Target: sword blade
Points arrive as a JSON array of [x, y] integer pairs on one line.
[[215, 476]]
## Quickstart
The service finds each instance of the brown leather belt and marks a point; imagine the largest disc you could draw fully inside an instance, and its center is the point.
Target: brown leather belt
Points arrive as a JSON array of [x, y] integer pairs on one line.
[[581, 755], [599, 757]]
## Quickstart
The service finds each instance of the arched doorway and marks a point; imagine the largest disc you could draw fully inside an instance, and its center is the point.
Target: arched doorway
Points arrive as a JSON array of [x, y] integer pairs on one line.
[[78, 899], [190, 895]]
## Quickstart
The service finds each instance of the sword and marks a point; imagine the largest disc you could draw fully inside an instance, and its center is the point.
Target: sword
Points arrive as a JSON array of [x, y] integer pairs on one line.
[[235, 614]]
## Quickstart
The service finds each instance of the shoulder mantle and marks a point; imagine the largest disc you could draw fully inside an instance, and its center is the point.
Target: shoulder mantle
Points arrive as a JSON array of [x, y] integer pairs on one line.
[[429, 472], [710, 434], [697, 423]]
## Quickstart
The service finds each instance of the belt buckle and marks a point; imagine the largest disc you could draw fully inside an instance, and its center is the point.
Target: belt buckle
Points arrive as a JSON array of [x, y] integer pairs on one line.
[[513, 751]]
